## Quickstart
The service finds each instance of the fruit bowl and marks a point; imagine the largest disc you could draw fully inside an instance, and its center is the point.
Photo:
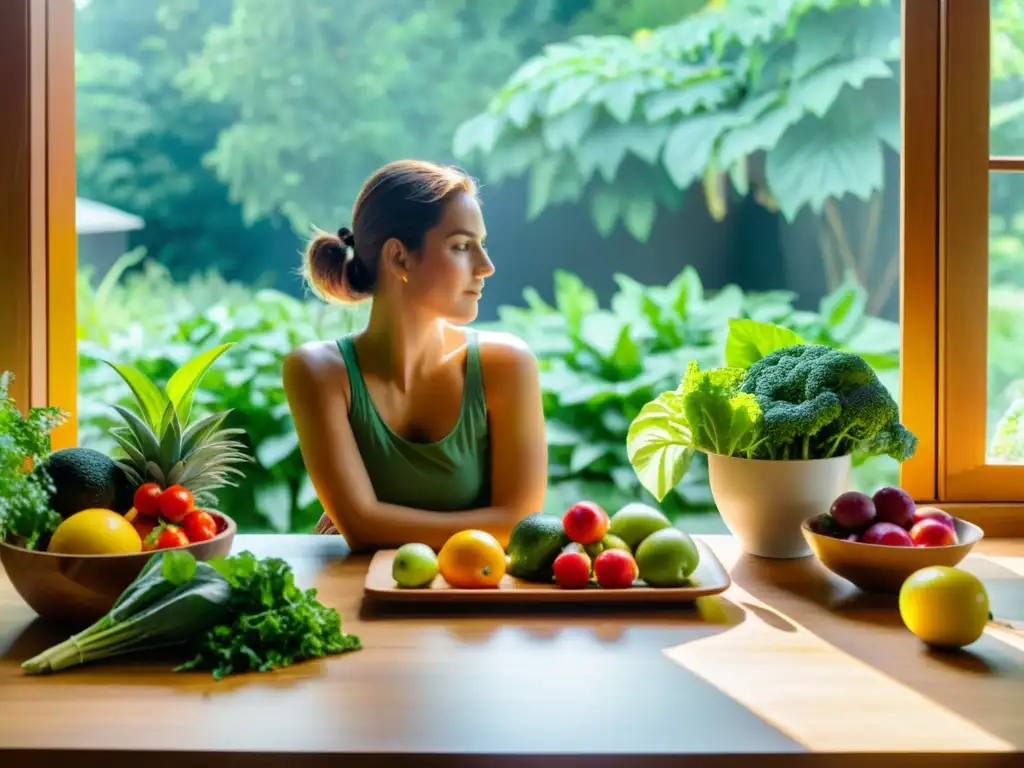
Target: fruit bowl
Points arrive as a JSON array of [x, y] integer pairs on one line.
[[884, 568], [80, 589]]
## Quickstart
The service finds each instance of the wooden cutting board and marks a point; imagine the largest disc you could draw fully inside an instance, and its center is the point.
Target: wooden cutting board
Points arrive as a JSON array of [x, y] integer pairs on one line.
[[709, 578]]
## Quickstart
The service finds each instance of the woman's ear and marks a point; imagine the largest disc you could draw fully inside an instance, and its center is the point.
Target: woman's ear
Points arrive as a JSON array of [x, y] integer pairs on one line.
[[396, 259]]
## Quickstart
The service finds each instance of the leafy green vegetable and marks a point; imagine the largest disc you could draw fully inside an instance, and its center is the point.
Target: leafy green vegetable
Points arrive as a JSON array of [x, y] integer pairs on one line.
[[800, 401], [750, 340], [25, 487], [659, 444], [820, 402], [152, 612], [271, 621], [722, 419], [233, 614], [707, 413]]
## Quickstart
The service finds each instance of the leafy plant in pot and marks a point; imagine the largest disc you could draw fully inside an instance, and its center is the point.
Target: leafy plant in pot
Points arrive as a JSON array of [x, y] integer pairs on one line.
[[780, 424]]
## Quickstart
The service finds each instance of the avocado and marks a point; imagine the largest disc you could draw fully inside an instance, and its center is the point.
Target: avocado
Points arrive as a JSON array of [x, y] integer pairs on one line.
[[84, 478], [534, 544]]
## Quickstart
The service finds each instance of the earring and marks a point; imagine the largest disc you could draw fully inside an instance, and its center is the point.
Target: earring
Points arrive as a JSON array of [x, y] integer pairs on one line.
[[405, 278]]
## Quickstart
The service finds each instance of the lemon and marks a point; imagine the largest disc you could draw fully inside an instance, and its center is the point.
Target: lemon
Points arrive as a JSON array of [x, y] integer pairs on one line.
[[95, 532], [945, 607]]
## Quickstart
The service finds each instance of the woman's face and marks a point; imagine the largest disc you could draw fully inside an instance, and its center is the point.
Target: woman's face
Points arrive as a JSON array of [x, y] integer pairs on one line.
[[448, 276]]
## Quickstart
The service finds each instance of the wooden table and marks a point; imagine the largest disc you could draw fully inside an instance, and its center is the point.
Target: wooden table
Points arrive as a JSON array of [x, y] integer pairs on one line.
[[791, 666]]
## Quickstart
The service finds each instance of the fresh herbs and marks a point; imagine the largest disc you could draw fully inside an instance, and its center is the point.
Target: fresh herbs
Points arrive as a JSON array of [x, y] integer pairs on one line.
[[779, 398], [270, 623], [25, 487], [232, 614]]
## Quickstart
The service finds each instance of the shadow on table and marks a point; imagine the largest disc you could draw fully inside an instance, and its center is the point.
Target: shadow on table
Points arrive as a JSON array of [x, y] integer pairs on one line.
[[869, 628]]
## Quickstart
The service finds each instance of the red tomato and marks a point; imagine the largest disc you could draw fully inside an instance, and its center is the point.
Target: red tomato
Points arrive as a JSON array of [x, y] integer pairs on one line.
[[199, 525], [172, 536], [174, 503], [145, 500]]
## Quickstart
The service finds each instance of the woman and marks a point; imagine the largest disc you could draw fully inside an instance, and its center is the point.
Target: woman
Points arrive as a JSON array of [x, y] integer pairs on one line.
[[415, 427]]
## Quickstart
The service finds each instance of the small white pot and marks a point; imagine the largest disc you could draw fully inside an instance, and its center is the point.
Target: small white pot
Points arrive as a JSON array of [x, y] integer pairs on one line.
[[763, 502]]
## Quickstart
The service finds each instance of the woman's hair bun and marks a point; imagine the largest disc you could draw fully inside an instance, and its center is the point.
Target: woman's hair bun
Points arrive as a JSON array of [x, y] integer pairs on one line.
[[334, 271]]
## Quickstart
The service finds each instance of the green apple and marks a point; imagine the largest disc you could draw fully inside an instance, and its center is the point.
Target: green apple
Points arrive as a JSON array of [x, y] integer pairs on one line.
[[635, 522], [415, 565], [667, 558]]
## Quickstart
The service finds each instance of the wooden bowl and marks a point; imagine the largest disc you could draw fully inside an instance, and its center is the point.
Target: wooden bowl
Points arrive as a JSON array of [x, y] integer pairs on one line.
[[880, 568], [80, 589]]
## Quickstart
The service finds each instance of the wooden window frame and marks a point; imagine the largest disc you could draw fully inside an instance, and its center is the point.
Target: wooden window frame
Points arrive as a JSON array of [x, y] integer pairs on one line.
[[38, 241], [944, 216], [945, 195]]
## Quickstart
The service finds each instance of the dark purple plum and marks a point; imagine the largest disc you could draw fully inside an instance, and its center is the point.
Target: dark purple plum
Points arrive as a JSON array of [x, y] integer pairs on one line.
[[894, 505], [853, 510]]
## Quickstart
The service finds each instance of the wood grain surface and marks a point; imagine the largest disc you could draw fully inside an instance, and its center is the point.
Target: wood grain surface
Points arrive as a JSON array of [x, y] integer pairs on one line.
[[790, 666], [709, 578]]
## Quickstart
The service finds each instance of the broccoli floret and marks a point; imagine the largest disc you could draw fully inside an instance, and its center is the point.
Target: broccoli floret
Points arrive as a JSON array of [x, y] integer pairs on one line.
[[820, 402]]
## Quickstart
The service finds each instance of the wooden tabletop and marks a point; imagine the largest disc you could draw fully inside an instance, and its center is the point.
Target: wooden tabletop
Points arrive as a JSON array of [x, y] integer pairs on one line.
[[791, 666]]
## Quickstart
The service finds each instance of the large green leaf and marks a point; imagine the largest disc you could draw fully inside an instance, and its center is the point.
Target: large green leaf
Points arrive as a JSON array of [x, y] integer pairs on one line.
[[639, 217], [619, 96], [567, 129], [761, 132], [605, 148], [843, 309], [569, 92], [749, 340], [819, 90], [659, 444], [817, 160], [689, 146], [479, 133], [152, 402], [181, 387], [706, 94]]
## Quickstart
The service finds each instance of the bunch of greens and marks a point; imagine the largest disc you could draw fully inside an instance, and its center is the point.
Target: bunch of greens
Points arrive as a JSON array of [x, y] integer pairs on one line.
[[270, 621], [25, 487], [777, 398], [229, 615]]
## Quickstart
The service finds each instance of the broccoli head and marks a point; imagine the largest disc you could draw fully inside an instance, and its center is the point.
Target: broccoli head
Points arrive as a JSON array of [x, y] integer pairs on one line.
[[820, 402]]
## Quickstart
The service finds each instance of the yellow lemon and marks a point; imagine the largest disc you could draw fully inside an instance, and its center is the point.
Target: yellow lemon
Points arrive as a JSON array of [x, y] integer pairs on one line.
[[95, 532], [945, 607]]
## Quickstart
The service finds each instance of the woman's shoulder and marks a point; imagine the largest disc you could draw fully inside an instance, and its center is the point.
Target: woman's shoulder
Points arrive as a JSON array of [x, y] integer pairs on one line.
[[315, 362], [506, 361]]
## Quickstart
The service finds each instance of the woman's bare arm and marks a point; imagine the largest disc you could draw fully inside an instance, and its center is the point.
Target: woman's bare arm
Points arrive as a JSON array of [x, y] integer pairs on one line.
[[316, 385]]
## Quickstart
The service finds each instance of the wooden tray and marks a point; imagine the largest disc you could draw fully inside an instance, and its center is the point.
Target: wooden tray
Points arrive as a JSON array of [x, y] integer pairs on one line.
[[710, 578]]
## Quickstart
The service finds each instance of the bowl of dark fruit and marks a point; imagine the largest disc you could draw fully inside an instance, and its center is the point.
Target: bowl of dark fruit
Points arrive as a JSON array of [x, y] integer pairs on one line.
[[876, 542]]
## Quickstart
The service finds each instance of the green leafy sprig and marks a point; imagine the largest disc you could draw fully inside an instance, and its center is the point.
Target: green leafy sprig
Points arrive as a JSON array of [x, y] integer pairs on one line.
[[25, 487]]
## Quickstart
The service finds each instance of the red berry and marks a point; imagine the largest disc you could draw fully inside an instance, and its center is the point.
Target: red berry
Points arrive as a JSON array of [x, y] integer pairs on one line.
[[586, 522], [199, 525], [145, 500], [174, 503], [170, 537], [615, 569], [572, 570]]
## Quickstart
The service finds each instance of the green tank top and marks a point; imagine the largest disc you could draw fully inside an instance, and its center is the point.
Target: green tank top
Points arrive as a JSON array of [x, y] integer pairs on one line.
[[447, 475]]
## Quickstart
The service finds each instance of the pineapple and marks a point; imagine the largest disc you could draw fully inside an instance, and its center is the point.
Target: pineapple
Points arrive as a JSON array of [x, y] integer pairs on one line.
[[159, 444]]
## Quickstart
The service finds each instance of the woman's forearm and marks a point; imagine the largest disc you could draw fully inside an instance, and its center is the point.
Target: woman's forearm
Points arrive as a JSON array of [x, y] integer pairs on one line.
[[389, 525]]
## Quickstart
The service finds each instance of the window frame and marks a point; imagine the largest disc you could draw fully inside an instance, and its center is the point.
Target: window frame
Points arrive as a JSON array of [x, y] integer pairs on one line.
[[964, 256], [945, 78], [945, 209]]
